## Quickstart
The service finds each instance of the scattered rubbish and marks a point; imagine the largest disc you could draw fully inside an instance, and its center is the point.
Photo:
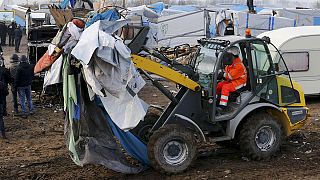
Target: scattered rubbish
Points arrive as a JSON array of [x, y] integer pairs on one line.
[[245, 159], [227, 171], [157, 107], [296, 158], [308, 152], [154, 95], [174, 92]]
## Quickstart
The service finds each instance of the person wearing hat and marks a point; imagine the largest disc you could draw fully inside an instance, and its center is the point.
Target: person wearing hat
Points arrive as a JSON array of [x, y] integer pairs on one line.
[[13, 71], [234, 76], [22, 82], [3, 33], [17, 37], [11, 29]]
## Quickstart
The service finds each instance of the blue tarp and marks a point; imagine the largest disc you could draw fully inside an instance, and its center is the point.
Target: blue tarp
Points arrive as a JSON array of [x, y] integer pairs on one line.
[[316, 21], [133, 146], [66, 3], [110, 15], [241, 7], [186, 8], [20, 21], [157, 7]]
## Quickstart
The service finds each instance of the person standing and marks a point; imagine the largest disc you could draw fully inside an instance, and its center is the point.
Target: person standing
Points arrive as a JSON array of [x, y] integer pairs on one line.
[[28, 10], [2, 95], [13, 71], [250, 6], [3, 33], [22, 82], [11, 29], [5, 79], [17, 38]]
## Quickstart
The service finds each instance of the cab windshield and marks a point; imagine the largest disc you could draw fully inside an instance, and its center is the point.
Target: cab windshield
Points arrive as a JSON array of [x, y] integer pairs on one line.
[[205, 64]]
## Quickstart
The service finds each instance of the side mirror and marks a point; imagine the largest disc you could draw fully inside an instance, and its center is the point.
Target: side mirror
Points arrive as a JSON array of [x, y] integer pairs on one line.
[[266, 39]]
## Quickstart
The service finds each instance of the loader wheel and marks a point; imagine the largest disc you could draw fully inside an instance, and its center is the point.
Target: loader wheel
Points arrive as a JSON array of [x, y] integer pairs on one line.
[[172, 149], [260, 137]]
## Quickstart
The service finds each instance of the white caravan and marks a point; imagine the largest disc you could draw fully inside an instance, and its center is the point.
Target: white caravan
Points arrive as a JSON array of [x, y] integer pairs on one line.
[[300, 48]]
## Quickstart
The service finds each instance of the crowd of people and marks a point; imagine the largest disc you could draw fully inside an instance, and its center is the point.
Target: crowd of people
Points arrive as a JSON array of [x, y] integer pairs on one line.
[[14, 32], [19, 78]]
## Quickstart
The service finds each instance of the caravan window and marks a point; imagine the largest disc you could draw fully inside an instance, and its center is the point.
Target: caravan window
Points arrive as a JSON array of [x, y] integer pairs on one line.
[[296, 61]]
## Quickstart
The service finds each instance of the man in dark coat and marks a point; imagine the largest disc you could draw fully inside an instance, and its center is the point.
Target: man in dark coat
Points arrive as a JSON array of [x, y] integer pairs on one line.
[[3, 33], [11, 29], [250, 6], [4, 80], [22, 82], [13, 72], [17, 38]]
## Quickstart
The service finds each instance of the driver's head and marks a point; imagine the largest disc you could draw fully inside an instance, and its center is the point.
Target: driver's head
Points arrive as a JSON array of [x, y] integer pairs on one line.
[[234, 50], [227, 59]]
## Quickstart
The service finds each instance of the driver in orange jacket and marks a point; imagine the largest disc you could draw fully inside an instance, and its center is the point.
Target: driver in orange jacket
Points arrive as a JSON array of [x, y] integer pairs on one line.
[[234, 75]]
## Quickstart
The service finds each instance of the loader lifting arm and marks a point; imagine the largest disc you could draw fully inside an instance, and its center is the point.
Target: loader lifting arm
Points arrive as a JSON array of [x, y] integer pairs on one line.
[[165, 72]]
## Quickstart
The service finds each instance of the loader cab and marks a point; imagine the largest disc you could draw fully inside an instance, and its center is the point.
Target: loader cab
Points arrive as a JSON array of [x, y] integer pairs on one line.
[[264, 76]]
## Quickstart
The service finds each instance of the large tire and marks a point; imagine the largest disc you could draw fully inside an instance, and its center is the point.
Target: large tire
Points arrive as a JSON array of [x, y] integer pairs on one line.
[[260, 137], [172, 149]]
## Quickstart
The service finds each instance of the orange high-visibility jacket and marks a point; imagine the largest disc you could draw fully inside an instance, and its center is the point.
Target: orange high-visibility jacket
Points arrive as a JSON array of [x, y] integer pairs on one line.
[[236, 73]]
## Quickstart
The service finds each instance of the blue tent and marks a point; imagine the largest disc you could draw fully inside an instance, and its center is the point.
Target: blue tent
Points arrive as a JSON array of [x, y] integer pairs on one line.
[[20, 21]]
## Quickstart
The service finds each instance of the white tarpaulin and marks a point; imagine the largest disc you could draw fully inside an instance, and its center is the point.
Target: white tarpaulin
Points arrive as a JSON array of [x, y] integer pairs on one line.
[[181, 28], [260, 23], [303, 17], [53, 75], [110, 73]]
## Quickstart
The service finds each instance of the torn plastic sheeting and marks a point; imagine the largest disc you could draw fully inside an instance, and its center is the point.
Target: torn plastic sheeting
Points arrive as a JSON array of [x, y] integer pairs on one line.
[[133, 146], [91, 140], [89, 39], [143, 11], [157, 7], [109, 15], [125, 111]]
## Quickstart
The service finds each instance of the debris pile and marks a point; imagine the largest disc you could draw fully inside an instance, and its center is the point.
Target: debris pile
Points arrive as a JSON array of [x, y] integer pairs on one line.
[[100, 86]]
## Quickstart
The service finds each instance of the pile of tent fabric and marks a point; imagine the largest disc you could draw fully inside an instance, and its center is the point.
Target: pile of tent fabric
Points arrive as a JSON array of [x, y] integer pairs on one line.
[[100, 86]]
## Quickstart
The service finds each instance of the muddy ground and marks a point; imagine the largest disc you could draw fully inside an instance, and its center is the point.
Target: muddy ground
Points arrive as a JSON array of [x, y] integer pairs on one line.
[[36, 150]]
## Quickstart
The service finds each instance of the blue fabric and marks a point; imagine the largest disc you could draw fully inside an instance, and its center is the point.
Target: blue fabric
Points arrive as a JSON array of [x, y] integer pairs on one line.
[[247, 20], [72, 3], [240, 7], [269, 23], [133, 146], [294, 23], [272, 23], [157, 7], [77, 107], [20, 21], [110, 15], [213, 30], [187, 8], [64, 4], [316, 21]]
